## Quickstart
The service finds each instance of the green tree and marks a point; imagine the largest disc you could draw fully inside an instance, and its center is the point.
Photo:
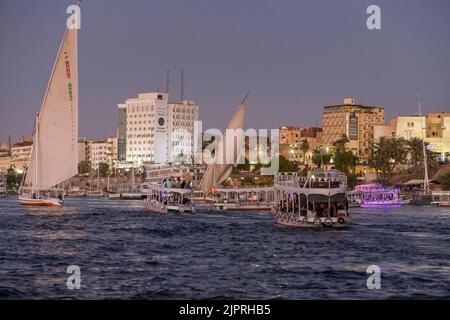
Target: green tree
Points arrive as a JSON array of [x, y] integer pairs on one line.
[[247, 181], [286, 166], [445, 181], [415, 150], [84, 167], [340, 144], [345, 161], [387, 154], [13, 180], [319, 158], [304, 146], [103, 169]]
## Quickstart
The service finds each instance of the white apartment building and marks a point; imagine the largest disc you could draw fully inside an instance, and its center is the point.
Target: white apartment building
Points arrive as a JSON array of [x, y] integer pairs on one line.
[[155, 130], [182, 117]]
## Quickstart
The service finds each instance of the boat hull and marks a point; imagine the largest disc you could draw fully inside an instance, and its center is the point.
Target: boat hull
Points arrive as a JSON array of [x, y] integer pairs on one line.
[[41, 202], [242, 207], [313, 224]]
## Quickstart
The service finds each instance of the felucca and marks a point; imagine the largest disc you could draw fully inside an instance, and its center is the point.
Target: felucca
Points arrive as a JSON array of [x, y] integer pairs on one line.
[[54, 156]]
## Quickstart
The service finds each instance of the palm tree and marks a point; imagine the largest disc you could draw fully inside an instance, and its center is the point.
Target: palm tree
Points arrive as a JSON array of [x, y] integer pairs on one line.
[[415, 151], [304, 147]]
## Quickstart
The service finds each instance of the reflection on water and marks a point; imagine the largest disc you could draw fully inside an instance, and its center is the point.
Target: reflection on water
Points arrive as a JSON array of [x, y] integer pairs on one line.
[[125, 252]]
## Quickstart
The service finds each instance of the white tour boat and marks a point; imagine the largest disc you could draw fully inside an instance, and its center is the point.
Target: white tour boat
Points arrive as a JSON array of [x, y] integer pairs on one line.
[[441, 198], [54, 157], [315, 201], [164, 200], [373, 195]]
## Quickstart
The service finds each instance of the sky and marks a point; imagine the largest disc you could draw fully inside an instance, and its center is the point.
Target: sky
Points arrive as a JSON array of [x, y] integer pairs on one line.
[[293, 56]]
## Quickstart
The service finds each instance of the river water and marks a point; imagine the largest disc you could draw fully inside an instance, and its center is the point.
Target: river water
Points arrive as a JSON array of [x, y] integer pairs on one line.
[[127, 253]]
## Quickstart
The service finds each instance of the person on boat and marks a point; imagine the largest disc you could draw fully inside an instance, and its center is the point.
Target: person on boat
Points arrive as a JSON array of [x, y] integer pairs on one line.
[[319, 210], [177, 183], [183, 184], [34, 195], [60, 196], [169, 183], [333, 210], [163, 183]]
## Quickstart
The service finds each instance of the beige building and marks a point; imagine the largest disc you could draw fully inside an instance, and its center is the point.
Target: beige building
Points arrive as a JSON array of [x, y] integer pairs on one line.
[[104, 151], [290, 135], [356, 122], [385, 130], [438, 132], [84, 149], [5, 163], [21, 154], [291, 139], [435, 128]]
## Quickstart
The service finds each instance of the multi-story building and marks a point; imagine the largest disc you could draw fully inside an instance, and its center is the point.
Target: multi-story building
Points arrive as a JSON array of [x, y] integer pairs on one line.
[[410, 127], [385, 130], [5, 162], [290, 135], [21, 154], [291, 140], [356, 122], [438, 132], [154, 131], [181, 119], [122, 133], [434, 128], [104, 151], [84, 149]]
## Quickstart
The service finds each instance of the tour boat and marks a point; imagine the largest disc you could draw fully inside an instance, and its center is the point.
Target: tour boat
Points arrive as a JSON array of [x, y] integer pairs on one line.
[[3, 179], [314, 201], [164, 200], [373, 195], [441, 198], [54, 157], [244, 199]]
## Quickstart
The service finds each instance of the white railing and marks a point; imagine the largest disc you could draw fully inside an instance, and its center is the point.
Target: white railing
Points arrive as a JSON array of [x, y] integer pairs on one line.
[[327, 179]]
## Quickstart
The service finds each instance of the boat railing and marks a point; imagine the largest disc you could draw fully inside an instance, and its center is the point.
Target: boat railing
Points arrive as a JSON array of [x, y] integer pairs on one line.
[[329, 179], [441, 193]]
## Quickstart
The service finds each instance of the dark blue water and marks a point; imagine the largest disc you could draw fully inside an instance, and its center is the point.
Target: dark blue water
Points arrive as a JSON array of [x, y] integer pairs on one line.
[[125, 252]]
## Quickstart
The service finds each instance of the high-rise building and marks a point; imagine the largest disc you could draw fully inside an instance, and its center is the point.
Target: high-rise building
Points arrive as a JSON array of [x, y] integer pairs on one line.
[[156, 131], [356, 122], [182, 116], [122, 133]]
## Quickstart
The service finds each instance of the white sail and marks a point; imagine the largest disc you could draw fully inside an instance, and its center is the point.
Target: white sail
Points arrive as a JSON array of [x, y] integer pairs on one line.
[[55, 156], [218, 171]]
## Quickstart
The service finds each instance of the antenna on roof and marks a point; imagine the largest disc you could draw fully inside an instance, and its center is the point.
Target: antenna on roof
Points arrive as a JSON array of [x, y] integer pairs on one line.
[[182, 84], [167, 80]]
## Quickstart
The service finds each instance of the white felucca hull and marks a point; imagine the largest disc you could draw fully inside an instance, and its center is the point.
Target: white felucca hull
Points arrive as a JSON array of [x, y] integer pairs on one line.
[[48, 202]]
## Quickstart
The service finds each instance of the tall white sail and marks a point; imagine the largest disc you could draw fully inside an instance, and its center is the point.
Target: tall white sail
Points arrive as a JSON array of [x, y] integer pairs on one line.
[[218, 171], [55, 156]]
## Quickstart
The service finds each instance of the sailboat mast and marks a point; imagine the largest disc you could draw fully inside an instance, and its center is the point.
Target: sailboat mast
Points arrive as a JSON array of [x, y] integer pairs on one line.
[[36, 141], [426, 184]]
